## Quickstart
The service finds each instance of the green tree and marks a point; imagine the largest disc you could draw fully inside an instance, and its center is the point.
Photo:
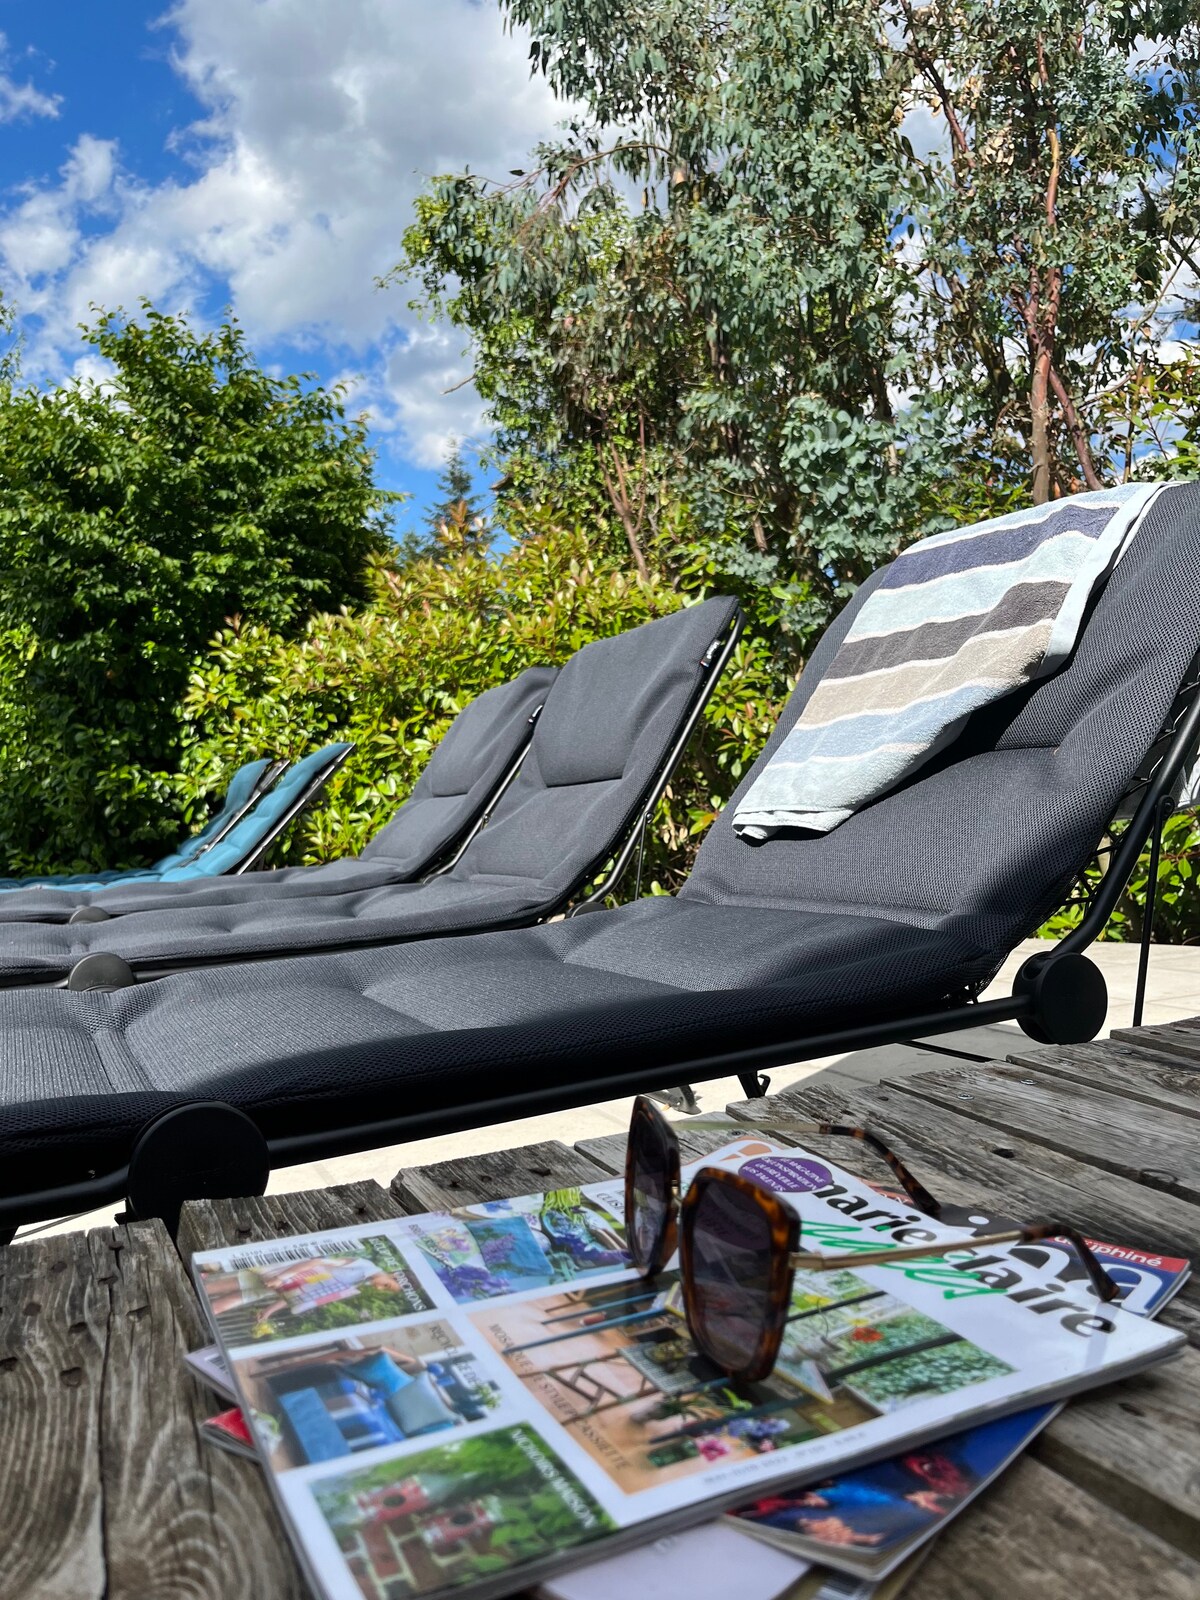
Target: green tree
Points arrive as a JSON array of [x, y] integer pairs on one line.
[[137, 513], [457, 504], [717, 366], [1058, 207]]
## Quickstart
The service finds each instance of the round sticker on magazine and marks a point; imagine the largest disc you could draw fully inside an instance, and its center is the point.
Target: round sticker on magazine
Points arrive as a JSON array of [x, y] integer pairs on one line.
[[788, 1174]]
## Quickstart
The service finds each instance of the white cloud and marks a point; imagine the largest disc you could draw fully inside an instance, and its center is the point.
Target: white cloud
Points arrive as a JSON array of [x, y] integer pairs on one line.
[[19, 100], [323, 120]]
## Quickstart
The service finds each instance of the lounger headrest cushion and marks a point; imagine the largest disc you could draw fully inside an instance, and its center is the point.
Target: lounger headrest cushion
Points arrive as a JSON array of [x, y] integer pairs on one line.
[[467, 748], [607, 694]]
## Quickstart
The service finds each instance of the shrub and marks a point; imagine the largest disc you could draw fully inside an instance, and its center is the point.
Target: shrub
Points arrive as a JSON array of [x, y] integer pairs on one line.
[[392, 676], [137, 513]]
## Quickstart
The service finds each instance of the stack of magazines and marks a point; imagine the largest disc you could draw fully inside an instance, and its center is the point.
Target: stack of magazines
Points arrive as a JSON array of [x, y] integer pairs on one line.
[[479, 1401]]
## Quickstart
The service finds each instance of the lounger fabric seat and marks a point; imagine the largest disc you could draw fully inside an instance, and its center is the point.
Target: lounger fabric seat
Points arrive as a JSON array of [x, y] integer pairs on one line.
[[192, 855], [909, 905], [231, 853], [609, 720], [462, 775]]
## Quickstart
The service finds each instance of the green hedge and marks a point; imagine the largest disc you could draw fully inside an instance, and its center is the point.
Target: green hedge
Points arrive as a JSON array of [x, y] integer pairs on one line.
[[392, 676]]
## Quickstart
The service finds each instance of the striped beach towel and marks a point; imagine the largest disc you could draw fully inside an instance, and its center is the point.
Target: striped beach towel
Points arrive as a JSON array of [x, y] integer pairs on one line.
[[957, 621]]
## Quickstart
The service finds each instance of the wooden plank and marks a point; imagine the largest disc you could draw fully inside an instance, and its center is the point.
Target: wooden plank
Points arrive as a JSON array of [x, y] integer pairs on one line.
[[1172, 1039], [108, 1489], [1136, 1447], [53, 1337], [1035, 1534], [180, 1516], [964, 1163], [1120, 1069], [210, 1224], [608, 1151], [1151, 1146], [496, 1175]]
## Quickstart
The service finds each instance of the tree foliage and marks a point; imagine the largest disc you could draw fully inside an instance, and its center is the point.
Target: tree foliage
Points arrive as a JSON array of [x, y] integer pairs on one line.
[[1056, 211], [137, 512], [731, 342]]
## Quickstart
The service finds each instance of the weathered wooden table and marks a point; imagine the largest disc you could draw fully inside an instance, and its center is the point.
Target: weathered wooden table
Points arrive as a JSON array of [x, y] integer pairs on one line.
[[107, 1490]]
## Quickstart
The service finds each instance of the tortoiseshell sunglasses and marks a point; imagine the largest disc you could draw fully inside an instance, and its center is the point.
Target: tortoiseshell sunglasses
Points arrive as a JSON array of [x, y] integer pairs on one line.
[[739, 1242]]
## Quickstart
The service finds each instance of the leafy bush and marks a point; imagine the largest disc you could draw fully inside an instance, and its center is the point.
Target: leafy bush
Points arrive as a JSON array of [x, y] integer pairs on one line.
[[136, 513], [392, 676], [1177, 905]]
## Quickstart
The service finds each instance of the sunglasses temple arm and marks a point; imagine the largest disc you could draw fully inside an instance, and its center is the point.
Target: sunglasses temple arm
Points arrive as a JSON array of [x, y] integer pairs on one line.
[[914, 1188], [909, 1252], [1104, 1286]]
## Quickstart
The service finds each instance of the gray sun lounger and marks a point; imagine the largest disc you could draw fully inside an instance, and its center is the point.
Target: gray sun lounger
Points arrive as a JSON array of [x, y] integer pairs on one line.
[[476, 758], [886, 929], [612, 725]]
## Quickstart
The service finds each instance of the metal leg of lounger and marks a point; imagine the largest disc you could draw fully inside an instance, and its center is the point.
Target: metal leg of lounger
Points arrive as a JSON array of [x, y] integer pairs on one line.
[[754, 1084], [1165, 807], [681, 1099]]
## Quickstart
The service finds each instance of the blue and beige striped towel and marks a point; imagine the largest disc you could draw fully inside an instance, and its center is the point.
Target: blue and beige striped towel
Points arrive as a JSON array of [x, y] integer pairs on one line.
[[957, 621]]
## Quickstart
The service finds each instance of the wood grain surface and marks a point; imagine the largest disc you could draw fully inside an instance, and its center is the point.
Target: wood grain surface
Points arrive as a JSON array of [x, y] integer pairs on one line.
[[111, 1493]]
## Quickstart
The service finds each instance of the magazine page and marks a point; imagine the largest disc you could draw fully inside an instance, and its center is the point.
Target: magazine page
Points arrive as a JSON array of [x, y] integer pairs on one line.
[[474, 1398]]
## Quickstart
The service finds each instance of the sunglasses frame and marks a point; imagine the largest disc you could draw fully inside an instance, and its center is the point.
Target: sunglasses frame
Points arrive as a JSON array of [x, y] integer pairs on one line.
[[784, 1223], [785, 1226]]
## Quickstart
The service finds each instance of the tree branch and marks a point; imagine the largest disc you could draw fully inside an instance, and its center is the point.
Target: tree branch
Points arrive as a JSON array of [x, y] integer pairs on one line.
[[1076, 429]]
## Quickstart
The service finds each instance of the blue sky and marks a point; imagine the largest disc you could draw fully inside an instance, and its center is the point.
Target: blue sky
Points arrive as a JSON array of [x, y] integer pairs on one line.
[[264, 155]]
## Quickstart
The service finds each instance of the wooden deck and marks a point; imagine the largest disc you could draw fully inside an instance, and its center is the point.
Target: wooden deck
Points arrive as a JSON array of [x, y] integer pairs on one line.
[[108, 1491]]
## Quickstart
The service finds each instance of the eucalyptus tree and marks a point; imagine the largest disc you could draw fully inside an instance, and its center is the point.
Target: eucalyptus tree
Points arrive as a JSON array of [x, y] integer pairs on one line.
[[696, 297], [1057, 230]]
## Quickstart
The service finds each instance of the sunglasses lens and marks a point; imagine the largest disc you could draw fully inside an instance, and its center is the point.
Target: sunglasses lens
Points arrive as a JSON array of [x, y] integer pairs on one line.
[[730, 1256], [648, 1192]]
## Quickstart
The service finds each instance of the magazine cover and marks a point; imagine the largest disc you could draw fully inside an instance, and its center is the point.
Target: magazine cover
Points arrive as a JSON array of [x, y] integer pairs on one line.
[[867, 1522], [429, 1429]]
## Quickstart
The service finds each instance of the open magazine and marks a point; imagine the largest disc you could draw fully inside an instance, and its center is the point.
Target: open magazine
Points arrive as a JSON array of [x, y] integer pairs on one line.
[[475, 1400]]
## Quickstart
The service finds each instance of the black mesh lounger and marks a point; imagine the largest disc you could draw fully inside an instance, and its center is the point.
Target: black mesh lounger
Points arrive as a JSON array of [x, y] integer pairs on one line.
[[613, 723], [884, 930], [475, 759]]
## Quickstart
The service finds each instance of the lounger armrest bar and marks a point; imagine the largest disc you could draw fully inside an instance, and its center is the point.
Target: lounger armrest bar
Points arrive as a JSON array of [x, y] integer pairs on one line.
[[303, 801]]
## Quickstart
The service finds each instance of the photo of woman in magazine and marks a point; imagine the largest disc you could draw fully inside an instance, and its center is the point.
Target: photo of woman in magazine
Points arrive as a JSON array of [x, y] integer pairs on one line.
[[882, 1509], [274, 1292]]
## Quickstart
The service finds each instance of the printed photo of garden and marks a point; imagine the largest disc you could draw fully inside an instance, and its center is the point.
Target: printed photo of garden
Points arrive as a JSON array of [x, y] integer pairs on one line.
[[457, 1512], [614, 1365], [501, 1246]]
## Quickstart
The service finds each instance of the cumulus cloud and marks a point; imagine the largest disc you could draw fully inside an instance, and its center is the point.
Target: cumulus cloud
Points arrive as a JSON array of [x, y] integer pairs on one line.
[[19, 100], [322, 120]]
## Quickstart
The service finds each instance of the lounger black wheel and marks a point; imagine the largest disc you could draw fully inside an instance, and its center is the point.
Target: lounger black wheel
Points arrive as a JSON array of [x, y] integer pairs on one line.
[[206, 1151], [1069, 998]]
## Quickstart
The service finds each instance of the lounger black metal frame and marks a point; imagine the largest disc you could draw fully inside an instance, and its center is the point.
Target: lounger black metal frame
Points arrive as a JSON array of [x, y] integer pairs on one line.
[[211, 1148], [303, 801], [266, 782]]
